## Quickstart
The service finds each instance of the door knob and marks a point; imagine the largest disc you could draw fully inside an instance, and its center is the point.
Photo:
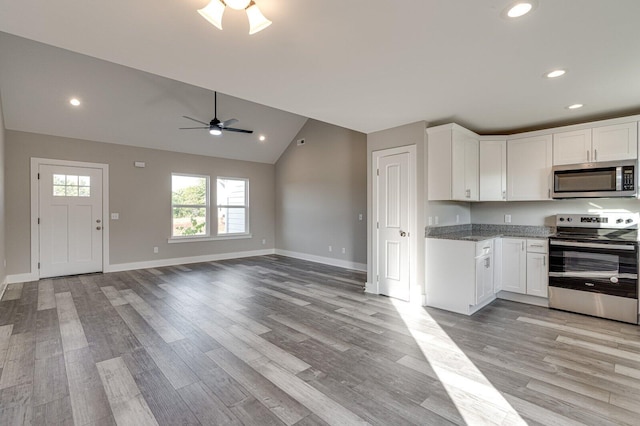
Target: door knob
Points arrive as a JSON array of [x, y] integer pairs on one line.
[[403, 234], [98, 221], [98, 227]]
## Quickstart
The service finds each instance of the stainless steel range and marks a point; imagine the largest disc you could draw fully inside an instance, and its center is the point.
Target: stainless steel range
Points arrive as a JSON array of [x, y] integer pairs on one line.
[[593, 265]]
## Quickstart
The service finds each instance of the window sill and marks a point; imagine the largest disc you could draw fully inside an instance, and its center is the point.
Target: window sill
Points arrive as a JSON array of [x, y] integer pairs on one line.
[[175, 240]]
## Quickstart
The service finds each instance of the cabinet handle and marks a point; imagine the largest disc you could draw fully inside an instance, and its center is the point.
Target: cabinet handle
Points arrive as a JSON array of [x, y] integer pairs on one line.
[[548, 192], [537, 245], [487, 263], [588, 156], [544, 261], [595, 155], [523, 246]]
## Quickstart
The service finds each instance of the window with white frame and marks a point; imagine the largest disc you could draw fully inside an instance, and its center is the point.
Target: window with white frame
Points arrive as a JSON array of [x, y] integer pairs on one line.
[[233, 206], [189, 206]]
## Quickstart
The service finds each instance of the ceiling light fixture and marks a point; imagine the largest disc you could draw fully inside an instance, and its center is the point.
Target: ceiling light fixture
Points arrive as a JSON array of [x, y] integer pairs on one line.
[[575, 106], [215, 9], [74, 101], [555, 73], [215, 132], [519, 8]]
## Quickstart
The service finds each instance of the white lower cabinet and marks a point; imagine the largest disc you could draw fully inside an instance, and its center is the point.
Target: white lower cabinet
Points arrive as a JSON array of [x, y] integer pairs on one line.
[[459, 274], [525, 266]]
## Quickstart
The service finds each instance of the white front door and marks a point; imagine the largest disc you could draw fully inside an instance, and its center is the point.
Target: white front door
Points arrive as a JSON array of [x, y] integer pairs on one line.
[[393, 207], [70, 220]]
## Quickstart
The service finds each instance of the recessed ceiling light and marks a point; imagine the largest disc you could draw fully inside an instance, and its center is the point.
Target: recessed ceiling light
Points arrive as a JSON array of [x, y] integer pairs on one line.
[[555, 73], [519, 8], [575, 106], [262, 138], [74, 101]]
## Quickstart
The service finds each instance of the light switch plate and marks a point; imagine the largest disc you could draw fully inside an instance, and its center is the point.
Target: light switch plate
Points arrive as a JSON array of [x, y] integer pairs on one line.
[[115, 216]]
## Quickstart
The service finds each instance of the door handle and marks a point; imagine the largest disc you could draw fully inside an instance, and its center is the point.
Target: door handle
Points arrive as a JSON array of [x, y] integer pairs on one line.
[[98, 221], [98, 227], [403, 234]]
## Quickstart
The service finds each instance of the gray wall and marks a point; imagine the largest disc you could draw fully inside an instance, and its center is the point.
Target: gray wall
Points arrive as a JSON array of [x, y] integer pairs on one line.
[[141, 196], [320, 193], [3, 271], [543, 212], [410, 134]]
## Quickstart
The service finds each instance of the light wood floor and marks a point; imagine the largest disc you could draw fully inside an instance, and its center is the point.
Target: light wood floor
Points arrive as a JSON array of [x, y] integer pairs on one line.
[[272, 340]]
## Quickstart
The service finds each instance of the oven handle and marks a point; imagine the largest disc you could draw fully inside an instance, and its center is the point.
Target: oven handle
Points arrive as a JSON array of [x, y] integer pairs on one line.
[[593, 245]]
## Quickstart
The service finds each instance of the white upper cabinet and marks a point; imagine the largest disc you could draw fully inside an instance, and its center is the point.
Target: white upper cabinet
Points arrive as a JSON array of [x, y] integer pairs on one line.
[[572, 147], [452, 163], [605, 143], [529, 162], [617, 142], [493, 170]]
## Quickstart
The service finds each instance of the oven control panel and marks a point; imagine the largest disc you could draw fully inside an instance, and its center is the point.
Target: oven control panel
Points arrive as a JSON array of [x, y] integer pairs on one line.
[[602, 220]]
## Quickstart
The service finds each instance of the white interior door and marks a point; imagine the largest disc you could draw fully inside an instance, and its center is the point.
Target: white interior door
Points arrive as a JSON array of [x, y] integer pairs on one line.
[[70, 220], [393, 257]]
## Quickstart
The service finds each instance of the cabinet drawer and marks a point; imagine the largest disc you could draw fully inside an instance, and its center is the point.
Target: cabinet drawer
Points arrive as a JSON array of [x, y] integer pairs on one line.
[[537, 246], [484, 247]]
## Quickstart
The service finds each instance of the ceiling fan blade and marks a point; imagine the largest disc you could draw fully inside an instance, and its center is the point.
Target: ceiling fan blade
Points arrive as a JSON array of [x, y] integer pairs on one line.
[[228, 123], [189, 128], [231, 129], [197, 121]]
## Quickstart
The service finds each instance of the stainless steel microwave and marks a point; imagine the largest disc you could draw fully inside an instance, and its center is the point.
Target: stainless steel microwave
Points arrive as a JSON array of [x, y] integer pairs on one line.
[[595, 180]]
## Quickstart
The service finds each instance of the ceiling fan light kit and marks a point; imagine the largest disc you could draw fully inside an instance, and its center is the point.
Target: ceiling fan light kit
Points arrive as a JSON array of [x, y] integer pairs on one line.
[[215, 9]]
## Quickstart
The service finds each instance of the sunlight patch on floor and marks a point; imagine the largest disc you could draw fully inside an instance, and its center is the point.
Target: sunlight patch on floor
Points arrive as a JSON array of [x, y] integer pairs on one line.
[[476, 399]]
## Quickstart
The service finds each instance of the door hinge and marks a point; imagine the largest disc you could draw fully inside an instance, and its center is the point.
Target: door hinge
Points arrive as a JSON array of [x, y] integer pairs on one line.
[[377, 172], [377, 225], [38, 265], [377, 278], [38, 175], [38, 221]]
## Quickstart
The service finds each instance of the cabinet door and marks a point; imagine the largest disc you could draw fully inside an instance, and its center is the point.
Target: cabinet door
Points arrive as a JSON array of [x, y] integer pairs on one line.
[[439, 161], [529, 168], [484, 278], [537, 274], [617, 142], [572, 147], [514, 265], [464, 168], [493, 170]]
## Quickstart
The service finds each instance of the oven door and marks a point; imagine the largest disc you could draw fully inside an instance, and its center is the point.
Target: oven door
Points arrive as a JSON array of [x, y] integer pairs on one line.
[[594, 267]]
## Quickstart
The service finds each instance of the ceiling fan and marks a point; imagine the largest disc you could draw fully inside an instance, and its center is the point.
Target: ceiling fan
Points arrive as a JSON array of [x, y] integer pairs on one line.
[[215, 126]]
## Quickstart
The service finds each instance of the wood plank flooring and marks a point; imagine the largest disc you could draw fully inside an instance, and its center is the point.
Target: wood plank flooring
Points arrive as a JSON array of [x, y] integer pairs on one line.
[[278, 341]]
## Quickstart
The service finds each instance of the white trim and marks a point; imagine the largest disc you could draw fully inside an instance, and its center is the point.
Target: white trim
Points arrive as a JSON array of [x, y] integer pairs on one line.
[[175, 240], [22, 278], [414, 234], [325, 260], [185, 260], [523, 298], [371, 288], [35, 232]]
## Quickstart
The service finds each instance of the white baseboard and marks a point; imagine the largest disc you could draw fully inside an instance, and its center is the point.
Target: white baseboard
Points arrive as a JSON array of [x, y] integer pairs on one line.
[[325, 260], [184, 260], [371, 288], [523, 298], [21, 278]]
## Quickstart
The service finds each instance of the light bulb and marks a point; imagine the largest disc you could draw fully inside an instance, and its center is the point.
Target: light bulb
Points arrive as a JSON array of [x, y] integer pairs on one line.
[[519, 9], [215, 132]]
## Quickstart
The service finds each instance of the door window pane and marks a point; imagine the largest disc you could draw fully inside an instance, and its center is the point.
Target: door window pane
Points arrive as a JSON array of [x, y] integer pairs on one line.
[[71, 186]]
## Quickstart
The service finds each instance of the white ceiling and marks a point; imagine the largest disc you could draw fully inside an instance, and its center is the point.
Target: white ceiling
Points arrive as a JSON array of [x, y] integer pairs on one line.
[[366, 65]]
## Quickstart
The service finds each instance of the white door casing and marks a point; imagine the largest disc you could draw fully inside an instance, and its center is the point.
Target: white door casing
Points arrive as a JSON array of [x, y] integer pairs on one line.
[[68, 231], [393, 204]]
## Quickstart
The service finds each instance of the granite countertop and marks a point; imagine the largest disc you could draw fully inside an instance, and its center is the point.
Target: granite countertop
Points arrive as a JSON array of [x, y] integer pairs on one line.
[[482, 232]]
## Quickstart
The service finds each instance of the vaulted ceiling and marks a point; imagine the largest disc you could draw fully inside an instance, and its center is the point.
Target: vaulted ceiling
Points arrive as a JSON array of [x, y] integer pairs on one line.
[[366, 65]]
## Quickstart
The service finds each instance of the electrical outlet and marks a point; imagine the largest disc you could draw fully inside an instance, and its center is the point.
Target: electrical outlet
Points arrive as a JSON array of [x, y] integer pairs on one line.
[[155, 249], [360, 216], [507, 218], [344, 250], [330, 249]]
